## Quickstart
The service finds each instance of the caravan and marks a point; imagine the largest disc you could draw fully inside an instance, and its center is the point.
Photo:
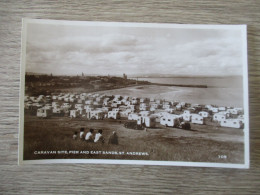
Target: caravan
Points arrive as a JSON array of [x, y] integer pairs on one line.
[[144, 113], [113, 114], [43, 113], [233, 123], [143, 106], [204, 114], [186, 115], [219, 116], [170, 120], [147, 121], [74, 113], [197, 119], [96, 114], [133, 116], [77, 106], [124, 114]]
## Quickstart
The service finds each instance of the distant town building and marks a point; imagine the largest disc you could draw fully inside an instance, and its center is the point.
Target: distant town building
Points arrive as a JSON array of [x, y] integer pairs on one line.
[[125, 76]]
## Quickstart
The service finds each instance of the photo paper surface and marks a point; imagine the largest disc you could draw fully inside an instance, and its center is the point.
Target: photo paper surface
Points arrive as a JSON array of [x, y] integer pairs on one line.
[[134, 93]]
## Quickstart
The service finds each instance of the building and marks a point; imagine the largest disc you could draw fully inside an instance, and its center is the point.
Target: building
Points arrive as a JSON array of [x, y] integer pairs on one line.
[[124, 76]]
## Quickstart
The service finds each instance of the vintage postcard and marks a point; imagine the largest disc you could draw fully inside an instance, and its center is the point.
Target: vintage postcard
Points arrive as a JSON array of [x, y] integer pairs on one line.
[[134, 93]]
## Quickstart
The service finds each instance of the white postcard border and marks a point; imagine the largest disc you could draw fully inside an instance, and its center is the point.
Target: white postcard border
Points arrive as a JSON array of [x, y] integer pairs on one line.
[[243, 28]]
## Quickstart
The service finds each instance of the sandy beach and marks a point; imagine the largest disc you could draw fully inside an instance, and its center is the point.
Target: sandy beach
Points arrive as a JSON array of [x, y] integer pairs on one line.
[[216, 96]]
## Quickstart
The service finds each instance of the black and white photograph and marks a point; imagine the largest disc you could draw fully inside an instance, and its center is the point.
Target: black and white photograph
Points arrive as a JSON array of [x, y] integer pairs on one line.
[[134, 93]]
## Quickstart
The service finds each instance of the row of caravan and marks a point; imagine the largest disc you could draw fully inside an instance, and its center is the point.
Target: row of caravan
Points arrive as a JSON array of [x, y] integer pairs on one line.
[[145, 111], [165, 119]]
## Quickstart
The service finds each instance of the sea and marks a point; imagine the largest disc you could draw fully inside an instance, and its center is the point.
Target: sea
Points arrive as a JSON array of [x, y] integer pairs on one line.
[[219, 82]]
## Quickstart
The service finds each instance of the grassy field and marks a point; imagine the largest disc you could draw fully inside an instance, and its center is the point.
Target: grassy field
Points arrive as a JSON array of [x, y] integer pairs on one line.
[[203, 143]]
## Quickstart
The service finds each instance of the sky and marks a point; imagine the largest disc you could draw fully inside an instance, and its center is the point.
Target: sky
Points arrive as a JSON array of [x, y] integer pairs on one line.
[[63, 49]]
